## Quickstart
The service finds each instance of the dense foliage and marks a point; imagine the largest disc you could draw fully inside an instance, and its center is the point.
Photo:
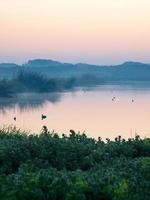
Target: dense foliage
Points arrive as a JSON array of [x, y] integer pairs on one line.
[[33, 82], [74, 167], [5, 89]]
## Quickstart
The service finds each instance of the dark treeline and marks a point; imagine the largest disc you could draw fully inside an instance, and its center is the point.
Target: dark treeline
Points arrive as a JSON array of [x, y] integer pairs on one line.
[[5, 88], [74, 167], [128, 71], [47, 76], [33, 82]]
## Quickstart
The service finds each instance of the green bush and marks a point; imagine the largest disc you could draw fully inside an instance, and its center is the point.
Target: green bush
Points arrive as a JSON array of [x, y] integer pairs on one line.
[[46, 166]]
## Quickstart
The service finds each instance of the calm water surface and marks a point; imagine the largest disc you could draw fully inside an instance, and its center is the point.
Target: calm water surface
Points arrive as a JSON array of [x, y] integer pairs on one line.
[[92, 111]]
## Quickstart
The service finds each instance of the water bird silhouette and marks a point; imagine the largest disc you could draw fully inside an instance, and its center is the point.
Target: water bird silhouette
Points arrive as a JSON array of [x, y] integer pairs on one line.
[[15, 118], [43, 117], [113, 98]]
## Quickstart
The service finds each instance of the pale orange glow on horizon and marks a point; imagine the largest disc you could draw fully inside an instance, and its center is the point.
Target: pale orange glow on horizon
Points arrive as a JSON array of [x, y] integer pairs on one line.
[[94, 31]]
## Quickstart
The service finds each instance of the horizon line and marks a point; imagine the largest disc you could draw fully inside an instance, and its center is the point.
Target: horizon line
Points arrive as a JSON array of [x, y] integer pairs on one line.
[[73, 63]]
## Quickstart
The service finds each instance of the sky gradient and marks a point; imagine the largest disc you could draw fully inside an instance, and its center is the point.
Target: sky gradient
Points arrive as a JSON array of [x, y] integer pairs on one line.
[[91, 31]]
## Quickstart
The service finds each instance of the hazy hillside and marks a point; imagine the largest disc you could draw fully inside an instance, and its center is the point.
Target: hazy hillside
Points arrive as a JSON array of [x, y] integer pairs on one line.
[[8, 70], [127, 71]]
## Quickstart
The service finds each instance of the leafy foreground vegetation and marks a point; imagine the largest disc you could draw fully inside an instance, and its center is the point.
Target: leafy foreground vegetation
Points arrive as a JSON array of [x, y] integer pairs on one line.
[[74, 167]]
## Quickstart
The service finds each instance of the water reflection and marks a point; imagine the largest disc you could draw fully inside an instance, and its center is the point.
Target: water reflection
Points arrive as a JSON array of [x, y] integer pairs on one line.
[[27, 101], [90, 109]]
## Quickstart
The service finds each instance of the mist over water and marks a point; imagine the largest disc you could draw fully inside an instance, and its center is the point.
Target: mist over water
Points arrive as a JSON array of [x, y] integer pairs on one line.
[[105, 111]]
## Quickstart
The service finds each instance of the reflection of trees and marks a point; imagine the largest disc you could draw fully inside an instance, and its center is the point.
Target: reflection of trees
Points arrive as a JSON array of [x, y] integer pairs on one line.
[[28, 101]]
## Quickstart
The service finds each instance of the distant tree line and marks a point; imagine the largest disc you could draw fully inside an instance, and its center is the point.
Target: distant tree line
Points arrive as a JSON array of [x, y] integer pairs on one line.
[[33, 82], [5, 89]]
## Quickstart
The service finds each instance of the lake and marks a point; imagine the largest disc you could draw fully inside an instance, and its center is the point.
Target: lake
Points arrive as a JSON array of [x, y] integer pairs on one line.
[[90, 110]]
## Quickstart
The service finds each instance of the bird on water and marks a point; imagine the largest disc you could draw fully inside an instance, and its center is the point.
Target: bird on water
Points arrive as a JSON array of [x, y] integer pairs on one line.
[[43, 117]]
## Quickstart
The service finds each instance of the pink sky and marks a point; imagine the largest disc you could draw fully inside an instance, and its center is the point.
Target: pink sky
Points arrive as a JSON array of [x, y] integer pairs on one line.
[[92, 31]]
